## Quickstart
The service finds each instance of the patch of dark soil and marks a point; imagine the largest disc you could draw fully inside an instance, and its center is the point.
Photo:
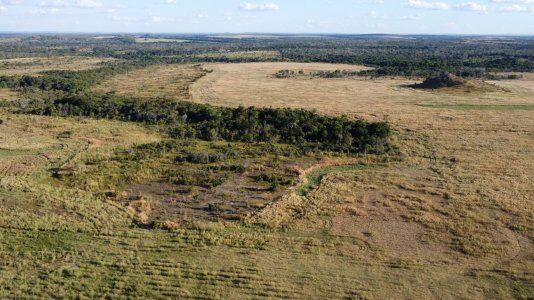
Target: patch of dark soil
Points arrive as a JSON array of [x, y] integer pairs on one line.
[[240, 194]]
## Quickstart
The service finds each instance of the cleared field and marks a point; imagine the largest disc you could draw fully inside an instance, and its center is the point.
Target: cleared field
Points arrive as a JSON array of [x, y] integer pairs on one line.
[[363, 96], [462, 195], [156, 40], [166, 81], [34, 65], [240, 54]]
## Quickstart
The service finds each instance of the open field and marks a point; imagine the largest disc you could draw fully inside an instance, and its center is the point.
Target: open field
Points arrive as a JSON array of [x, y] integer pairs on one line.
[[158, 40], [464, 183], [260, 55], [165, 81], [7, 95], [34, 65], [100, 208]]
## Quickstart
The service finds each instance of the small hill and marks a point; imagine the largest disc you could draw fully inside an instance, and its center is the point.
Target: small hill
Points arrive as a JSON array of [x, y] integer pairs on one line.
[[450, 83], [444, 80]]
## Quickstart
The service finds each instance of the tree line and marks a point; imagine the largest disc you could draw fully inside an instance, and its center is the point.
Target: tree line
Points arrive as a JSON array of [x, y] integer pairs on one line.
[[299, 127]]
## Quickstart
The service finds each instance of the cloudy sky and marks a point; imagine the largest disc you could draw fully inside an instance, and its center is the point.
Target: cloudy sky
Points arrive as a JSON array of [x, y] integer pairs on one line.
[[275, 16]]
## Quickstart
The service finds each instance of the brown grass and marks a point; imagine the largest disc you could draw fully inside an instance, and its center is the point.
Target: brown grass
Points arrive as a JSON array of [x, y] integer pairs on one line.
[[166, 81], [7, 95], [34, 65], [464, 184], [240, 54], [451, 219]]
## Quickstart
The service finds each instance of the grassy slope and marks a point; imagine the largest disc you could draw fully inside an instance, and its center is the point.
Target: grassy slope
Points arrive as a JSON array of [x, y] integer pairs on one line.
[[70, 255], [233, 262]]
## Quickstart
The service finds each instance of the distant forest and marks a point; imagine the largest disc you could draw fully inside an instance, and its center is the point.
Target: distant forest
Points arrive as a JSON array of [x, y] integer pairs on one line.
[[390, 55]]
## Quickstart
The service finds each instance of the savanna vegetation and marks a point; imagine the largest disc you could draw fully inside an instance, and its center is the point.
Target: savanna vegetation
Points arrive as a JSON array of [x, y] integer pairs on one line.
[[252, 166]]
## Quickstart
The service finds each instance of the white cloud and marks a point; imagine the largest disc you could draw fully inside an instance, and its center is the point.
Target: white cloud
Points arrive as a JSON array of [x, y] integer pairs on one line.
[[11, 2], [45, 11], [170, 1], [53, 3], [466, 6], [3, 9], [471, 6], [517, 8], [428, 5], [88, 3], [269, 6], [514, 1]]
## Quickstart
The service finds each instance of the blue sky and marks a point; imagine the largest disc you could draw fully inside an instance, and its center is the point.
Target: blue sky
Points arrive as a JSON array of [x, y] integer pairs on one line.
[[275, 16]]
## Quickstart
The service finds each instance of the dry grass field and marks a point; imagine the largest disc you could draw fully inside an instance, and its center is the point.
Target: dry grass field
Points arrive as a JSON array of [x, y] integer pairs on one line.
[[153, 40], [450, 217], [166, 81], [239, 55], [34, 65], [462, 196], [7, 95], [31, 146]]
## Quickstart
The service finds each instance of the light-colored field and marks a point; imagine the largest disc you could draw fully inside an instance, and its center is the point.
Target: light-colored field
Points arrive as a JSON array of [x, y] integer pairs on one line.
[[166, 81], [156, 40], [7, 95], [463, 195], [253, 84], [243, 36], [34, 65], [240, 54]]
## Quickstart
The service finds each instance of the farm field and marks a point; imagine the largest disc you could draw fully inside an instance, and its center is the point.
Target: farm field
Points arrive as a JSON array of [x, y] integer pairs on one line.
[[181, 177]]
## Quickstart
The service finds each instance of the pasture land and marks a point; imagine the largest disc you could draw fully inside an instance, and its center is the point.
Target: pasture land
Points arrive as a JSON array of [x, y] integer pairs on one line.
[[35, 65], [158, 40], [463, 184], [260, 55], [165, 81]]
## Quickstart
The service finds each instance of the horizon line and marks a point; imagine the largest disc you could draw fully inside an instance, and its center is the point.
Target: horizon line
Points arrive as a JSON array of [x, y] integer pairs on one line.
[[263, 33]]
